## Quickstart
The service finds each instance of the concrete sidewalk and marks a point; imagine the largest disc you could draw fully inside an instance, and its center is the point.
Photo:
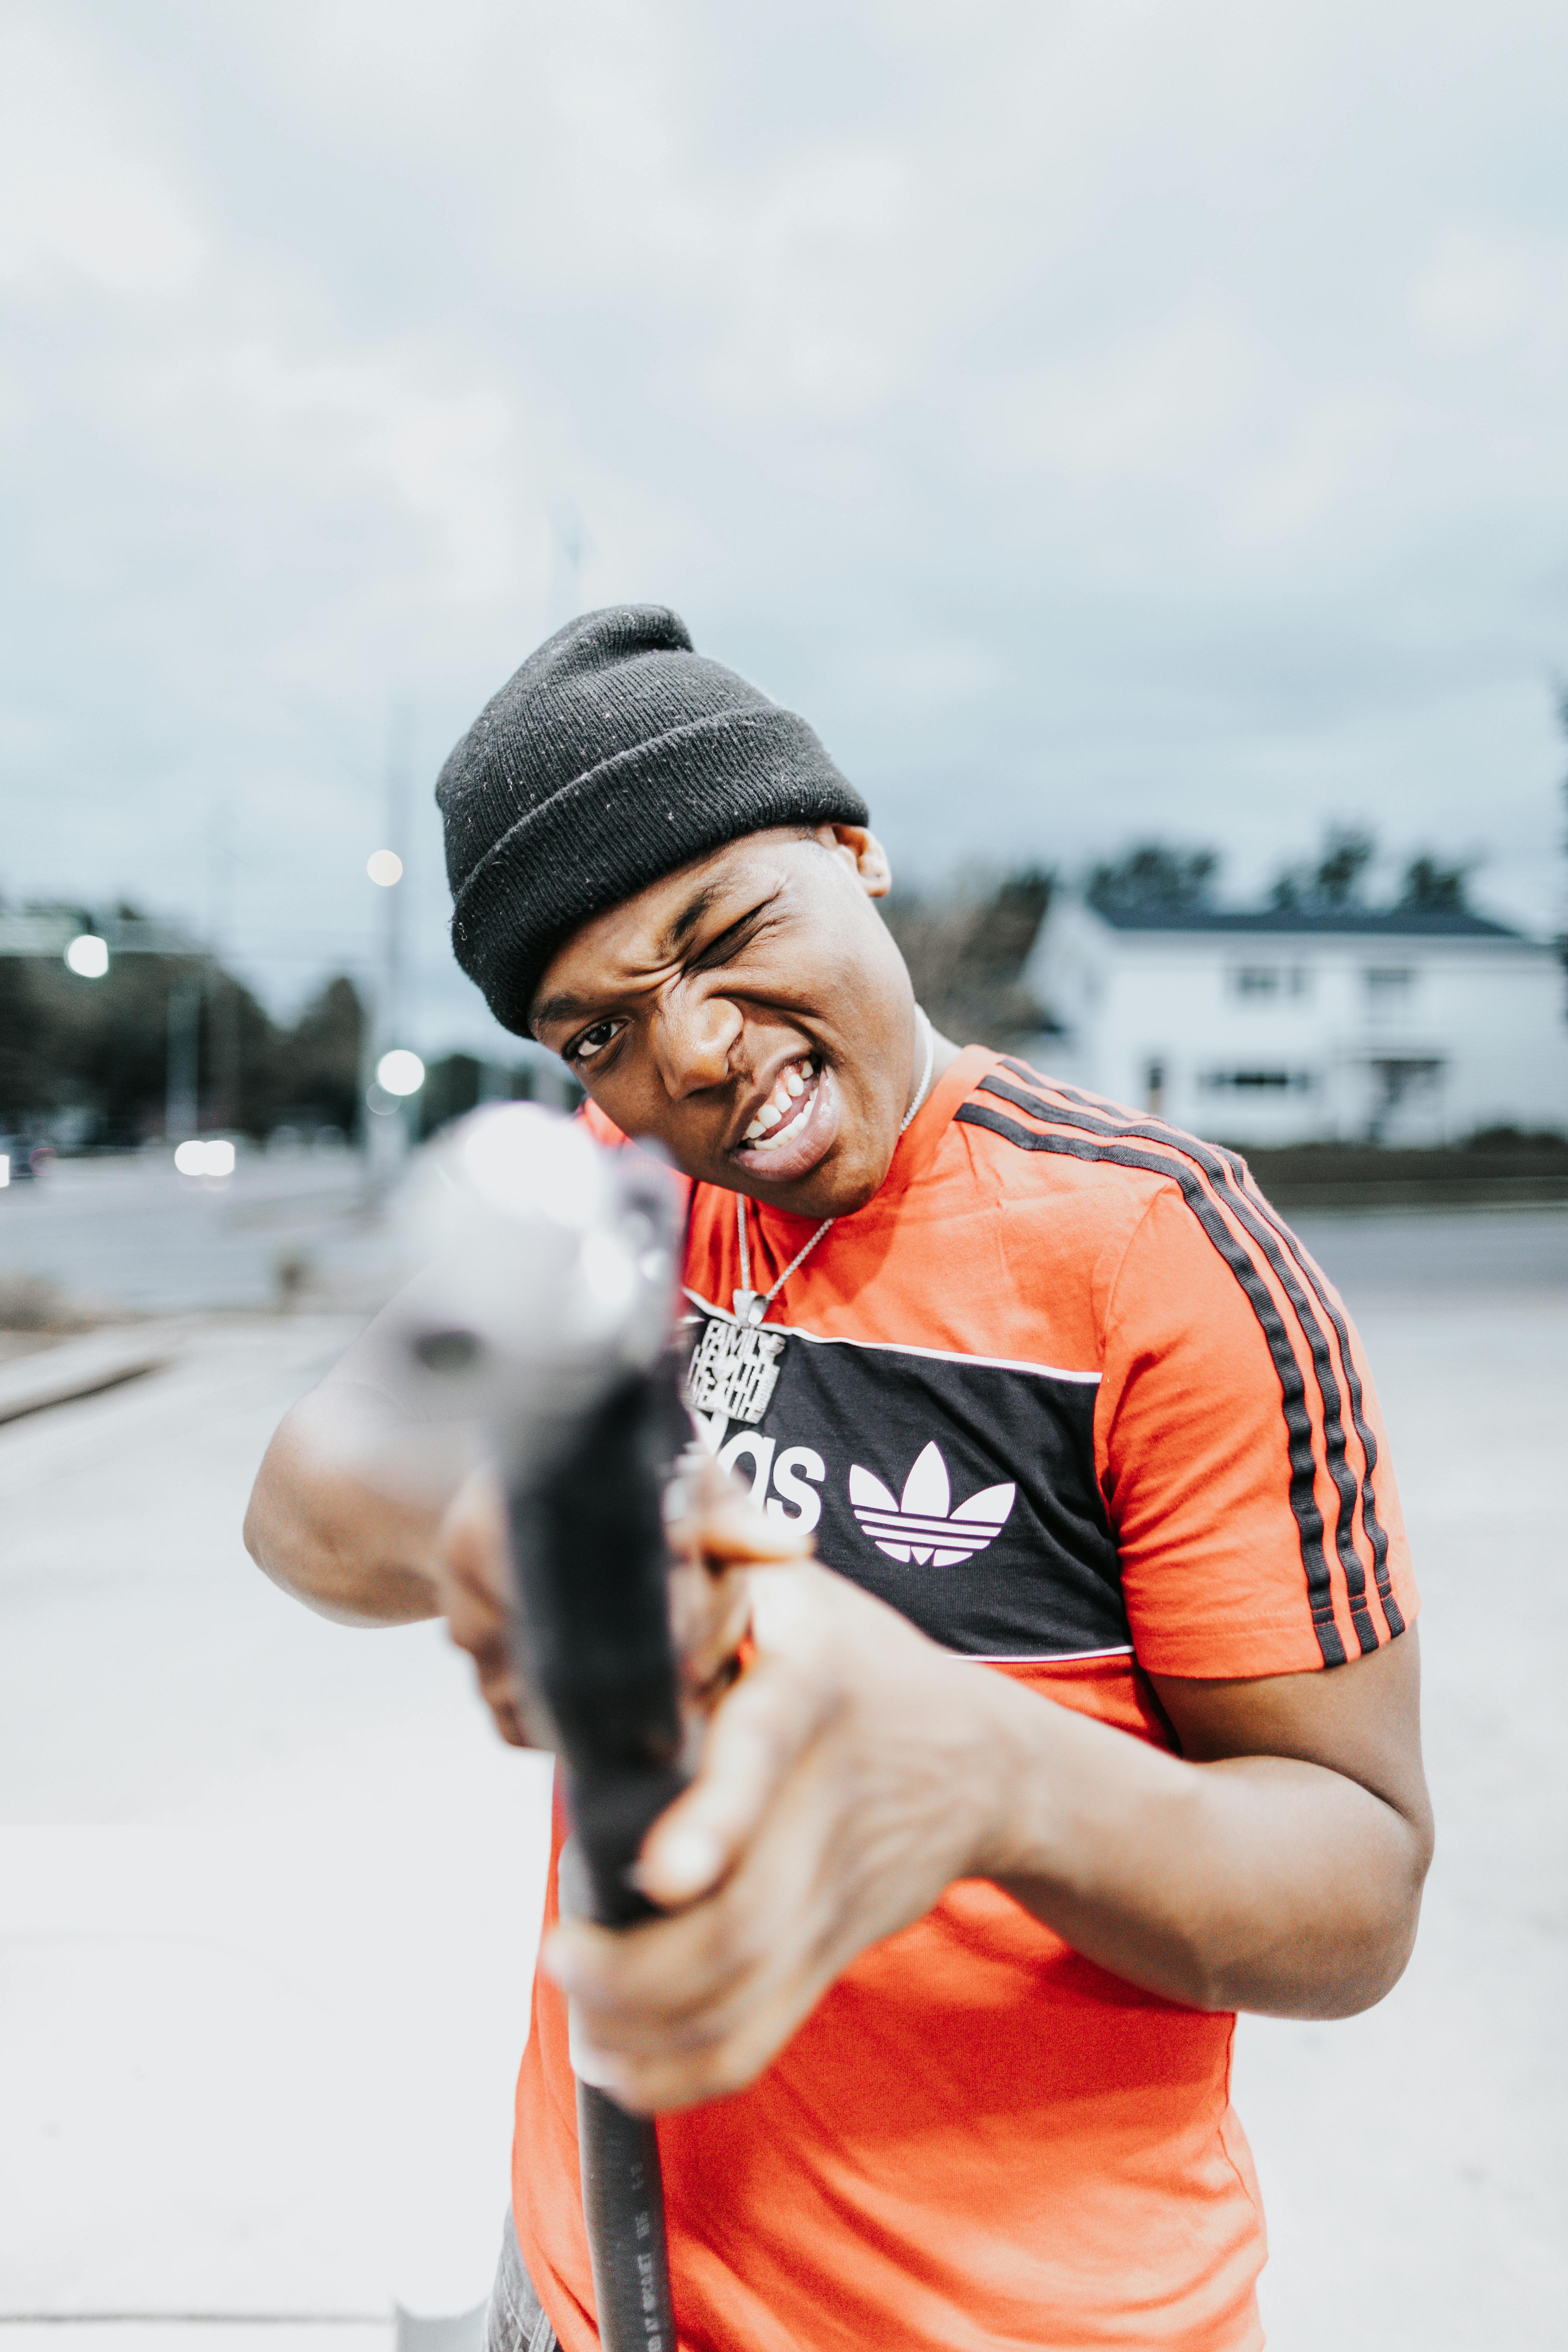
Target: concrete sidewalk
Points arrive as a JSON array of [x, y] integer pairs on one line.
[[269, 1896], [270, 1889]]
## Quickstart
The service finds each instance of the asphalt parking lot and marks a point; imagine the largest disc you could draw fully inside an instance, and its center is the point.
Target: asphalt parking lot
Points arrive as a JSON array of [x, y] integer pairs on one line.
[[269, 1888], [1414, 2160]]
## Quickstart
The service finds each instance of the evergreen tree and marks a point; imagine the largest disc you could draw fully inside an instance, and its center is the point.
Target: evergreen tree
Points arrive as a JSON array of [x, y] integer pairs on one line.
[[318, 1061], [1153, 879], [1432, 888], [1333, 884], [23, 1084]]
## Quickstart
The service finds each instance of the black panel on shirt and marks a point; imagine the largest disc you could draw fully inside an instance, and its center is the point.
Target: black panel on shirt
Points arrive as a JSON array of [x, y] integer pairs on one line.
[[1043, 1582]]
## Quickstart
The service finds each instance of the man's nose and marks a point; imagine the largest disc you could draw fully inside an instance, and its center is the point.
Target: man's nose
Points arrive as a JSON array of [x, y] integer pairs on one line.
[[693, 1040]]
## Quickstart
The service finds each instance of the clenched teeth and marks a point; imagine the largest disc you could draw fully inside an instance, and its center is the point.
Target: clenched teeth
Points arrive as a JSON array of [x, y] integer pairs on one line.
[[771, 1142], [765, 1133]]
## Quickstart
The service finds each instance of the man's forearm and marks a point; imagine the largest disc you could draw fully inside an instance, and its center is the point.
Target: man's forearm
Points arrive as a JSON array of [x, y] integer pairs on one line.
[[1262, 1882], [347, 1551]]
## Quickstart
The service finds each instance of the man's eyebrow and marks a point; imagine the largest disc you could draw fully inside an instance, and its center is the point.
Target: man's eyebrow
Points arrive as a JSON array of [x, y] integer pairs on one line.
[[682, 925], [557, 1008], [677, 932]]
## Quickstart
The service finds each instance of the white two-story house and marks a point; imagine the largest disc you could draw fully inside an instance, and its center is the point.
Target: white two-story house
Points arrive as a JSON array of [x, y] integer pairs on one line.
[[1279, 1026]]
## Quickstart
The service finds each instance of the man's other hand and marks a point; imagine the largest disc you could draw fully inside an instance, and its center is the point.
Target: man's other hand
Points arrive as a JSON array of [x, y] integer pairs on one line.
[[715, 1539]]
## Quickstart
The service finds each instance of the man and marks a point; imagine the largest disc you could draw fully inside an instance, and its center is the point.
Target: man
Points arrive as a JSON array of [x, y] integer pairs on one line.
[[1094, 1719]]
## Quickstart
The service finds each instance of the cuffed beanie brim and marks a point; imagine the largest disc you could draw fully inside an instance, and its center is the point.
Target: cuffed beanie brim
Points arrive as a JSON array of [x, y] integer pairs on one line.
[[541, 836]]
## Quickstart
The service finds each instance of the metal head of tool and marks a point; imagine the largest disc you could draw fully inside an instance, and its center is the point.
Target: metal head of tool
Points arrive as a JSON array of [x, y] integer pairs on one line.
[[551, 1279]]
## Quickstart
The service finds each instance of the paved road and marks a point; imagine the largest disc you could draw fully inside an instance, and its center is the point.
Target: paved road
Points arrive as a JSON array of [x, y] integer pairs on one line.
[[132, 1235], [1426, 1256], [1415, 2160], [268, 1888]]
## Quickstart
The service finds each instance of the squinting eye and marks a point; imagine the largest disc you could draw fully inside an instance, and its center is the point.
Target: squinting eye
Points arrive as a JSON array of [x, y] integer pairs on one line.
[[594, 1041]]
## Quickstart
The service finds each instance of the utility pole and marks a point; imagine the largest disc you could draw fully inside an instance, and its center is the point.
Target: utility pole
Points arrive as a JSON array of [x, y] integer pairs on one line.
[[568, 545], [223, 993], [388, 1119], [393, 927], [182, 1110]]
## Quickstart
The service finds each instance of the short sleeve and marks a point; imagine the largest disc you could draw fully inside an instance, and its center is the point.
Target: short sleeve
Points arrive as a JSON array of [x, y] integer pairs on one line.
[[1241, 1452]]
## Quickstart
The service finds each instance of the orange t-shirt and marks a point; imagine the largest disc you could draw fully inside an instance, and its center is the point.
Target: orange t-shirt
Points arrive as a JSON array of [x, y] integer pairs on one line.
[[1068, 1394]]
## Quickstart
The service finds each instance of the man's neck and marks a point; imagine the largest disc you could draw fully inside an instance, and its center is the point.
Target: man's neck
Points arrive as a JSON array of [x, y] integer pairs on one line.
[[943, 1056]]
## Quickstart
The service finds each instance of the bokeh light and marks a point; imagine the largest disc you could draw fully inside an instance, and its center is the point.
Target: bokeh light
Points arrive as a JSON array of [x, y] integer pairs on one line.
[[87, 956], [400, 1072], [213, 1156]]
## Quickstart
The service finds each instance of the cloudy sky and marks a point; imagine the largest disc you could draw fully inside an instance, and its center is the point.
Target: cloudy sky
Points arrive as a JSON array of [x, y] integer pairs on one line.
[[1099, 419]]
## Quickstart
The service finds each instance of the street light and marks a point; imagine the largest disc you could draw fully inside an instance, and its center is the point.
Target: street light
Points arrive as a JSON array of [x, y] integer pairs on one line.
[[384, 867], [400, 1072], [87, 956], [194, 1157]]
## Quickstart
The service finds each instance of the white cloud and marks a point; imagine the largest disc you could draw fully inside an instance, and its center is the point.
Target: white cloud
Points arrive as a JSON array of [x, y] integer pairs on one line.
[[376, 424], [84, 196], [805, 331], [1096, 417], [1144, 410]]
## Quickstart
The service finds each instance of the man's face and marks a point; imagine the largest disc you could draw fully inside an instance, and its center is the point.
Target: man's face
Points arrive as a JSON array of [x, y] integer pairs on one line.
[[750, 1012]]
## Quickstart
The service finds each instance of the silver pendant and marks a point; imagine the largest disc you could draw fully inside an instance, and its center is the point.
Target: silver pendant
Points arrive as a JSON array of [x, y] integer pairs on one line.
[[735, 1371]]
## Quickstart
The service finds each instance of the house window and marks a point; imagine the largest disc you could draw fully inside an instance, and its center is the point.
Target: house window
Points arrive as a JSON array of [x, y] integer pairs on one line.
[[1387, 986], [1262, 1081], [1262, 982], [1155, 1088]]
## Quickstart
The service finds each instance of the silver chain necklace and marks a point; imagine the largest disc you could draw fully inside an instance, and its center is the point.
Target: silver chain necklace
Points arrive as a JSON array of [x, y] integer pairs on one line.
[[735, 1368]]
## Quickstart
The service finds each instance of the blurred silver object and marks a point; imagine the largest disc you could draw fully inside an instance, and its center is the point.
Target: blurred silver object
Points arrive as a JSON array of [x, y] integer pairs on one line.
[[548, 1274], [545, 1319]]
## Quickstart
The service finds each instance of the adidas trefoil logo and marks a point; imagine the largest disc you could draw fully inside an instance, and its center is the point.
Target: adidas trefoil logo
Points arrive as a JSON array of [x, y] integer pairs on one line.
[[921, 1526]]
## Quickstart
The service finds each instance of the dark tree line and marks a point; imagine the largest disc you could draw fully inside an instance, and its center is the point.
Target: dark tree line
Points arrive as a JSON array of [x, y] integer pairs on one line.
[[1154, 876], [96, 1052]]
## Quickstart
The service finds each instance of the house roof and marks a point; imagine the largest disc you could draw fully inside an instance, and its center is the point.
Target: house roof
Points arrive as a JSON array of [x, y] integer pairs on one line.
[[1285, 922]]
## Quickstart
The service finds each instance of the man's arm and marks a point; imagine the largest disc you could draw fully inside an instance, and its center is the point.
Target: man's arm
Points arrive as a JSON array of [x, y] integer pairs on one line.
[[855, 1771], [337, 1545], [1336, 1756], [1277, 1866]]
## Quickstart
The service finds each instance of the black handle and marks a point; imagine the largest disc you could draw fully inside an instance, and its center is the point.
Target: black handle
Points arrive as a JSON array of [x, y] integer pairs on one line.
[[623, 2209], [592, 1568]]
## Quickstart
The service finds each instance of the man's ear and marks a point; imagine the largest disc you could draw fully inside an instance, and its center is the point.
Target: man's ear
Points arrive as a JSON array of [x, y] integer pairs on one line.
[[872, 870]]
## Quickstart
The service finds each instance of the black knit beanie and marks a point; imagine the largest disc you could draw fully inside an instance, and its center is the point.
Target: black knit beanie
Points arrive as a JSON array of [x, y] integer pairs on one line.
[[611, 757]]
